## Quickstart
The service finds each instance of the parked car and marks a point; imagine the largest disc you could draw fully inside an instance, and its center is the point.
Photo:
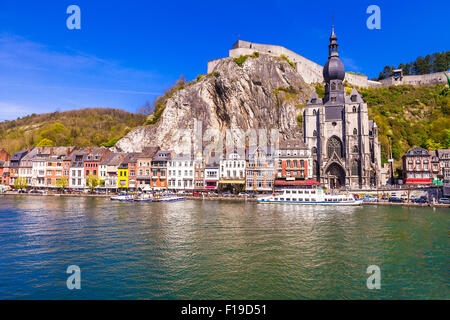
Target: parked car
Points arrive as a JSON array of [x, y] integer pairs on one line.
[[444, 200], [227, 194], [243, 194], [37, 191], [420, 200], [196, 193], [395, 199]]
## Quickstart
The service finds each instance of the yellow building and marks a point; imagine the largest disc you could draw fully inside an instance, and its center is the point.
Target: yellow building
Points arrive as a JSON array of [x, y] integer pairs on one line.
[[122, 176]]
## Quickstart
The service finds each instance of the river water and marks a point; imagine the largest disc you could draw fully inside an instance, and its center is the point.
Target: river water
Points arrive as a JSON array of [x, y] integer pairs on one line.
[[219, 250]]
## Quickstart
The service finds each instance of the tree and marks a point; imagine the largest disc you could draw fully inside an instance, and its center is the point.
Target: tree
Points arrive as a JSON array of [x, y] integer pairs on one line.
[[62, 183], [21, 183], [45, 143], [146, 109], [92, 182]]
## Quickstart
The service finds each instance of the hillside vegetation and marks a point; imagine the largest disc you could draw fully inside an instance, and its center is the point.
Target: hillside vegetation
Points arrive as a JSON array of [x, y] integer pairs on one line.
[[407, 116], [410, 116], [80, 128]]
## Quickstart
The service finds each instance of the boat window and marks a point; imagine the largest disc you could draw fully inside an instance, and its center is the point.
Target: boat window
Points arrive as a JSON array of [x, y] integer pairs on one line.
[[288, 191], [288, 199], [313, 192], [294, 191]]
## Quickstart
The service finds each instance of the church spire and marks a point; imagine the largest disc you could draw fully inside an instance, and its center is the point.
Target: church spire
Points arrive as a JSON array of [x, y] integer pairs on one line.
[[333, 46]]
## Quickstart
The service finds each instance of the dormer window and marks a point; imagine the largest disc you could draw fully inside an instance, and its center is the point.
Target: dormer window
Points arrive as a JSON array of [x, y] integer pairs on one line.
[[353, 98], [333, 99], [314, 100]]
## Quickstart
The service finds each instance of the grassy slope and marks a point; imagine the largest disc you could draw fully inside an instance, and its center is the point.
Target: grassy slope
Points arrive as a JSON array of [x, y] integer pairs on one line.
[[410, 116], [80, 128]]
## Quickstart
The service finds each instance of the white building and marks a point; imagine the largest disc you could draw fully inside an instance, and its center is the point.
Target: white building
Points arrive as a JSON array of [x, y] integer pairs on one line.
[[180, 173], [211, 176], [77, 179], [232, 167], [109, 168]]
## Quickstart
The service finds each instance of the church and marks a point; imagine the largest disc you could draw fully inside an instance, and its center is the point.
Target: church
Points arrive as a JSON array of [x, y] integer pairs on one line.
[[342, 139]]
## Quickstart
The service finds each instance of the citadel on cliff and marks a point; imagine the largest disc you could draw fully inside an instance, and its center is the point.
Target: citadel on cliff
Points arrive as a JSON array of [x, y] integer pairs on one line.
[[336, 129]]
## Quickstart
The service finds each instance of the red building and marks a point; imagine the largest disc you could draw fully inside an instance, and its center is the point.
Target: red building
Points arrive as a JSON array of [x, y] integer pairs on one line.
[[92, 160], [293, 165], [416, 165]]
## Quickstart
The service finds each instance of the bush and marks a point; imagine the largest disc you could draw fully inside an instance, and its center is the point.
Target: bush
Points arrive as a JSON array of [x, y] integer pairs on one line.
[[240, 60]]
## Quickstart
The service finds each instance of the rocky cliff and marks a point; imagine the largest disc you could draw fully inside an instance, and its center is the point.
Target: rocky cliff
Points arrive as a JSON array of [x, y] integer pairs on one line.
[[252, 92]]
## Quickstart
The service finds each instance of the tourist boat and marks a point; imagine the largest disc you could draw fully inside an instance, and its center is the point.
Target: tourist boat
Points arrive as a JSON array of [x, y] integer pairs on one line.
[[123, 197], [311, 196], [144, 198], [169, 198]]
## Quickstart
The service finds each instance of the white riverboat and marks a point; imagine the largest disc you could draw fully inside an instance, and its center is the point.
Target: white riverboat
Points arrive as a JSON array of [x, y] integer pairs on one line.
[[144, 198], [311, 196], [123, 197], [168, 198]]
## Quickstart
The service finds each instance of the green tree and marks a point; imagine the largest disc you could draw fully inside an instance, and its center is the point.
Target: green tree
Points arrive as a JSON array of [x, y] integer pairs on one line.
[[44, 142], [92, 182], [21, 183], [62, 183]]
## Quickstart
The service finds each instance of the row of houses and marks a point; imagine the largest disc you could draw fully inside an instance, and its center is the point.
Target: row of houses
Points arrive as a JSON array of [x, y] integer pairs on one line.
[[258, 169], [421, 166]]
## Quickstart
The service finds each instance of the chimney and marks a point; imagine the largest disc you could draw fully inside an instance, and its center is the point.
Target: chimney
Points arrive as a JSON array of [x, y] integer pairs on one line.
[[122, 158], [51, 150]]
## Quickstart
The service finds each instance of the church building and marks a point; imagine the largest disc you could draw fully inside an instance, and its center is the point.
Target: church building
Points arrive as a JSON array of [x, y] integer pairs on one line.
[[342, 139]]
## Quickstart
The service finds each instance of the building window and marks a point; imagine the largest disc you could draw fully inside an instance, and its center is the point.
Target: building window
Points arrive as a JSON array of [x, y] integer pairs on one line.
[[355, 168], [334, 145], [314, 150], [354, 108], [355, 132], [314, 133], [314, 112], [355, 149]]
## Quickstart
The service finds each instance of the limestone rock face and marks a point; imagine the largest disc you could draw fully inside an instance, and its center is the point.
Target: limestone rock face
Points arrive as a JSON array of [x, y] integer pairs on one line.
[[262, 93]]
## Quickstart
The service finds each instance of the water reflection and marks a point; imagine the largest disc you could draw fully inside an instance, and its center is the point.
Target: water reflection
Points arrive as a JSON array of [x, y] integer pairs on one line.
[[224, 250]]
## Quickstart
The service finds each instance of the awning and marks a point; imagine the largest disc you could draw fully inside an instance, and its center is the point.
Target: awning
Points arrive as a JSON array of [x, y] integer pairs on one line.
[[232, 181], [418, 181], [296, 183]]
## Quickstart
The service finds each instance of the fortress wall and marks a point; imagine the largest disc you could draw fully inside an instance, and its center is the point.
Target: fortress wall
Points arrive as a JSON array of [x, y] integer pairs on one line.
[[357, 80], [416, 80], [312, 72], [374, 84], [309, 70]]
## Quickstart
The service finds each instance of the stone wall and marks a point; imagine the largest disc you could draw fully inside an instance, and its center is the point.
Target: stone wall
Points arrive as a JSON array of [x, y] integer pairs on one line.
[[424, 79], [309, 70], [312, 72]]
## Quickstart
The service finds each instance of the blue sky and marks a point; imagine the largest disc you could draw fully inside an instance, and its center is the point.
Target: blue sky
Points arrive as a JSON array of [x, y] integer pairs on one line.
[[129, 52]]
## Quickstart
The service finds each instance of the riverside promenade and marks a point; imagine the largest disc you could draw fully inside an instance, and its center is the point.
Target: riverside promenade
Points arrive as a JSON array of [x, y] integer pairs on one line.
[[225, 198]]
